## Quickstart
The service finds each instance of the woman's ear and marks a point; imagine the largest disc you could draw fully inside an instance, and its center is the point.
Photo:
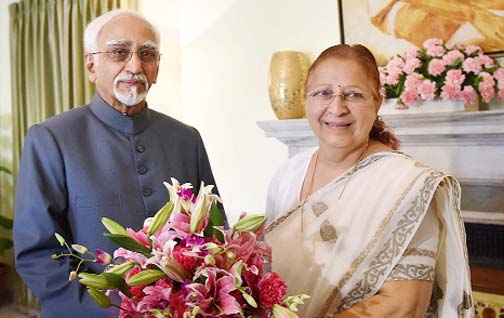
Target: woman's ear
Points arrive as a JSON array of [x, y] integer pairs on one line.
[[90, 67]]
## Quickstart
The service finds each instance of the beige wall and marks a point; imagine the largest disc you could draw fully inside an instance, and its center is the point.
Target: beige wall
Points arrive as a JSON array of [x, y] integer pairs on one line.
[[226, 47], [165, 96]]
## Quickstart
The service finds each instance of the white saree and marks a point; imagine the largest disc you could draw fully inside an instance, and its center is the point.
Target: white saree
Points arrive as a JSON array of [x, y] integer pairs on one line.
[[350, 246]]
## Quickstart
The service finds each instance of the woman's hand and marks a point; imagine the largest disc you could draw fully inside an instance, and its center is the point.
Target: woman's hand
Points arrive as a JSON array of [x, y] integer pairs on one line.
[[402, 299]]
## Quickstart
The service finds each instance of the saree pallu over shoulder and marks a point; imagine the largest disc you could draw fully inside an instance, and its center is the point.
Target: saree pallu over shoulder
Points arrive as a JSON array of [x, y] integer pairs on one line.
[[350, 245]]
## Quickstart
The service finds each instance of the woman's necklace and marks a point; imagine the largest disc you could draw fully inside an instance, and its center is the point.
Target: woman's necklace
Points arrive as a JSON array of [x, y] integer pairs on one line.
[[312, 181]]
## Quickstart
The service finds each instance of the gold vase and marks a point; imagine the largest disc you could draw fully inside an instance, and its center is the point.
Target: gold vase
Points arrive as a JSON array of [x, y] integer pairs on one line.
[[286, 79]]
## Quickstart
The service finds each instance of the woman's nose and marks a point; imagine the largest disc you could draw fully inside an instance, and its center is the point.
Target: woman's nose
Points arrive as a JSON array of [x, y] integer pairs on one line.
[[338, 105]]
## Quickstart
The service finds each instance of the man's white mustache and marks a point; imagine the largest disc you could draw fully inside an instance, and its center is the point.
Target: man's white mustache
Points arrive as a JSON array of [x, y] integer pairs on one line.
[[132, 77]]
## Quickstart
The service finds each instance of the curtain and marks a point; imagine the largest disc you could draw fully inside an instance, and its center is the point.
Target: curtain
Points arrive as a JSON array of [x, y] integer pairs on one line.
[[47, 58], [47, 71]]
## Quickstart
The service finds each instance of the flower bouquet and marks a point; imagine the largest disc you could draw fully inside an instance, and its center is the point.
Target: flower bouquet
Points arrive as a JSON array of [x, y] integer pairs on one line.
[[183, 263], [436, 70]]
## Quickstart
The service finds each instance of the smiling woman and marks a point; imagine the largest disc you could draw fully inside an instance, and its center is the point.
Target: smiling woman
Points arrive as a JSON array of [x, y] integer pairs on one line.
[[377, 233]]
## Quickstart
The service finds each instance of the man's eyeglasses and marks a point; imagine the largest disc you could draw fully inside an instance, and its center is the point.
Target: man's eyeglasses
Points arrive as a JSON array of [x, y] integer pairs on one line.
[[326, 97], [147, 56]]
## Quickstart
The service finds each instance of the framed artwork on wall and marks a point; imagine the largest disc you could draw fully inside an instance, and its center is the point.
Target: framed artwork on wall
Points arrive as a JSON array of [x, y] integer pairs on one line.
[[390, 27]]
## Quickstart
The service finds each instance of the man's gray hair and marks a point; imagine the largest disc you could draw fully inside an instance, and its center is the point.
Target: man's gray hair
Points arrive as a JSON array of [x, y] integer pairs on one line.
[[94, 27]]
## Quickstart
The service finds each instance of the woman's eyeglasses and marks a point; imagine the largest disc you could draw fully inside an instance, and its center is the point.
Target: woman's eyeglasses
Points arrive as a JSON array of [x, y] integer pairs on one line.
[[326, 97]]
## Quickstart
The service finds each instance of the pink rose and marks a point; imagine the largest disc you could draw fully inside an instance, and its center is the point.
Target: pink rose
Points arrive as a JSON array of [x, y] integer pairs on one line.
[[486, 87], [455, 77], [499, 77], [487, 92], [396, 62], [411, 64], [392, 78], [436, 67], [272, 290], [427, 90], [437, 51], [409, 97], [468, 95], [499, 74], [485, 60], [452, 56], [449, 91], [432, 42], [412, 54], [470, 49], [472, 64], [412, 81]]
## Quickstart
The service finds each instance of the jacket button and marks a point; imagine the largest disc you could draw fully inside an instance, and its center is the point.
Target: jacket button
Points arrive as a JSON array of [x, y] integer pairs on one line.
[[147, 192], [141, 169], [140, 148]]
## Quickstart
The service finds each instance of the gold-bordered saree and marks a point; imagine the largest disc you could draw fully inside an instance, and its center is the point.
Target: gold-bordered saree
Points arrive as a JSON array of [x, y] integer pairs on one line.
[[349, 246]]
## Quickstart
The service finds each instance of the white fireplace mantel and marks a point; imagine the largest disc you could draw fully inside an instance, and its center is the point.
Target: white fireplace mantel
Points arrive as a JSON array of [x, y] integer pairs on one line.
[[468, 145]]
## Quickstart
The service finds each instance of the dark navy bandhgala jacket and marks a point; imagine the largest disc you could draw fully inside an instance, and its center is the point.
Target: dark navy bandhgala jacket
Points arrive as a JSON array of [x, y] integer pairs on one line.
[[82, 165]]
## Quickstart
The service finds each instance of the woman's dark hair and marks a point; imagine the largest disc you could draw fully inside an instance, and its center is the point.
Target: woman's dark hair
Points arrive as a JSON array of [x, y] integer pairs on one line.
[[363, 57]]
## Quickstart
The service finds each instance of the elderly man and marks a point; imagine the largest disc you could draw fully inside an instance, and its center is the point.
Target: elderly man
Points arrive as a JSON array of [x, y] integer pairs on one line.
[[108, 158]]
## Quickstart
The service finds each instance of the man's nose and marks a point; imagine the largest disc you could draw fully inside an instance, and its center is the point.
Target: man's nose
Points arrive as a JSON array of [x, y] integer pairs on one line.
[[134, 64]]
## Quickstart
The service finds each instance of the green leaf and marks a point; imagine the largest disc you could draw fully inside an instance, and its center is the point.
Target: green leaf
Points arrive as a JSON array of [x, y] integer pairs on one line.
[[250, 300], [114, 227], [6, 223], [99, 298], [4, 169], [215, 219], [160, 218], [128, 243], [215, 215], [118, 282], [146, 277]]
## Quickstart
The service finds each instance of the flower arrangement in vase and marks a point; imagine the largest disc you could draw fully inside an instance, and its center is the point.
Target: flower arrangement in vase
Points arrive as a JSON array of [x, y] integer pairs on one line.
[[438, 71]]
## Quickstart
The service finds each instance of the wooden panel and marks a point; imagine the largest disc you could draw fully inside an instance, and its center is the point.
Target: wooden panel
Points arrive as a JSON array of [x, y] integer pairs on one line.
[[489, 280]]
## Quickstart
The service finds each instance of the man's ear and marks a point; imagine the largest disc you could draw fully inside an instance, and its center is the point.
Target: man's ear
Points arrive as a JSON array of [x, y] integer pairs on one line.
[[154, 80], [90, 67]]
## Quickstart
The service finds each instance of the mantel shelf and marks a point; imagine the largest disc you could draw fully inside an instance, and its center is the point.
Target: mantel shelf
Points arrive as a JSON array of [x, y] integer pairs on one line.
[[468, 145], [470, 128]]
